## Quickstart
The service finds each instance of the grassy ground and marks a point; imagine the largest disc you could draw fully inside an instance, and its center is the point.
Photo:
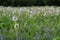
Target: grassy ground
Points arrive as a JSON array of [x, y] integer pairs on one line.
[[30, 23]]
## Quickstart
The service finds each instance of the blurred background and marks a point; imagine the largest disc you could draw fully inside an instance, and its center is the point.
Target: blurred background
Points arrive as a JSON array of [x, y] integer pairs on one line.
[[29, 2]]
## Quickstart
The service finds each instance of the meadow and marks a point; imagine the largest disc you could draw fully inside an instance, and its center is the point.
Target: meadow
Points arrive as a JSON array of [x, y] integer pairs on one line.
[[30, 23]]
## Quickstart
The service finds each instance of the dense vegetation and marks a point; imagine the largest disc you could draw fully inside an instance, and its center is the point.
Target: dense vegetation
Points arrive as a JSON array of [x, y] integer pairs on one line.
[[29, 2], [24, 25]]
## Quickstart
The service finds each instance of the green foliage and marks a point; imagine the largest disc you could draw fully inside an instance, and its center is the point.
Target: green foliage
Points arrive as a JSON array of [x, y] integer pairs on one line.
[[36, 27], [57, 38]]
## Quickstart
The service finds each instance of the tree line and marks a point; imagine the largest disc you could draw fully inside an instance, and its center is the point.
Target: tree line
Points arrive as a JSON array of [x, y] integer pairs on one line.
[[29, 2]]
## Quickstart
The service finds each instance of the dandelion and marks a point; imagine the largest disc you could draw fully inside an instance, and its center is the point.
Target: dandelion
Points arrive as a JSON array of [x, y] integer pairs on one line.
[[28, 10], [8, 8], [38, 12], [42, 9], [57, 11], [3, 11], [0, 9], [50, 12], [45, 13], [14, 11], [31, 15], [14, 18], [31, 12], [12, 30], [16, 26]]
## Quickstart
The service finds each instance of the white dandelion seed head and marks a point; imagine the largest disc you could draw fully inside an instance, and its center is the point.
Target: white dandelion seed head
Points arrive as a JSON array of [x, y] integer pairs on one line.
[[50, 12], [12, 30], [20, 9], [42, 9], [14, 18], [38, 12], [28, 10], [16, 26], [45, 13], [31, 15], [8, 8], [31, 12], [3, 11], [57, 11], [0, 9], [14, 11]]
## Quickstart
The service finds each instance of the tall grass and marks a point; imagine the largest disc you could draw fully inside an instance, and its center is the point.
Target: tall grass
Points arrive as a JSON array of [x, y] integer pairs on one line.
[[29, 26]]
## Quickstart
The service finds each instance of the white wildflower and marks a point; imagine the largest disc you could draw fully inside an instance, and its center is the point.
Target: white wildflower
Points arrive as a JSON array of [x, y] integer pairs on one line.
[[42, 9], [28, 11], [31, 15], [45, 13], [31, 11], [14, 18], [38, 12], [50, 12], [57, 11], [8, 8], [16, 26], [20, 9], [0, 9], [3, 11], [11, 30], [14, 11]]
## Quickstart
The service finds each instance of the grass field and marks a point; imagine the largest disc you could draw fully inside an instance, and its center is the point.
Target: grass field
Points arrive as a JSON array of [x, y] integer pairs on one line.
[[30, 23]]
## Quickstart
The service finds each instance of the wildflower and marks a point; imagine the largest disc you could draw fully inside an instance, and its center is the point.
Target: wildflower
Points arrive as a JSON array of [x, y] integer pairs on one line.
[[42, 9], [12, 30], [50, 12], [45, 14], [14, 18], [16, 26], [31, 12], [20, 9], [3, 11], [8, 8], [0, 9], [31, 15], [28, 11], [57, 11], [14, 11], [47, 29], [38, 12]]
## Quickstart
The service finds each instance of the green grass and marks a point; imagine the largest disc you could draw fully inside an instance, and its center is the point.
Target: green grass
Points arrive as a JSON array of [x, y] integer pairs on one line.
[[36, 27]]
